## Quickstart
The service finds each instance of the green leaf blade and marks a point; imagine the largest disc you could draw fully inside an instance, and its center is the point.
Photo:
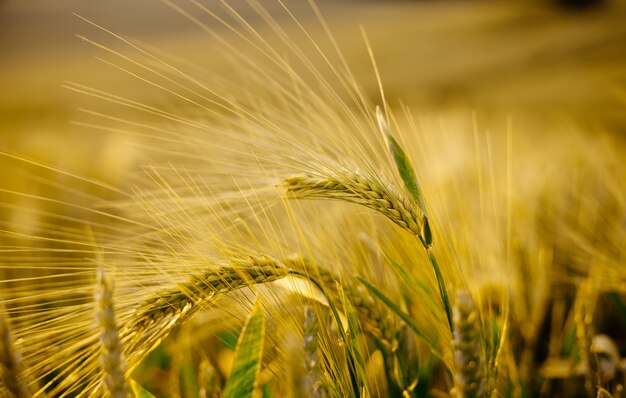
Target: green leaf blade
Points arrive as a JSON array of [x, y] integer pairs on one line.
[[139, 391], [398, 311], [407, 174], [247, 364], [405, 169]]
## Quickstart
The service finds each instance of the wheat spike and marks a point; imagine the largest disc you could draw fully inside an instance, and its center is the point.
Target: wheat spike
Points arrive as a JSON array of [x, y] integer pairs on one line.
[[352, 187], [468, 353], [111, 356], [208, 380], [313, 383], [158, 315], [584, 305], [11, 363], [185, 298]]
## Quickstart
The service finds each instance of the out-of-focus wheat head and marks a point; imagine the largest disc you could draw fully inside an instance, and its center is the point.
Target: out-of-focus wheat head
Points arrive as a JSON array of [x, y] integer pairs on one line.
[[229, 197]]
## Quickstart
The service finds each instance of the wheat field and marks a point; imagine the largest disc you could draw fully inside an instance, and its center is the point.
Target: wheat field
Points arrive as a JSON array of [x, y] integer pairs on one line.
[[272, 198]]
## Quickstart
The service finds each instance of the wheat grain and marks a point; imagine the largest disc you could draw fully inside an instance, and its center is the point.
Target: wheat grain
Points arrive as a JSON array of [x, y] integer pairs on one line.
[[111, 356]]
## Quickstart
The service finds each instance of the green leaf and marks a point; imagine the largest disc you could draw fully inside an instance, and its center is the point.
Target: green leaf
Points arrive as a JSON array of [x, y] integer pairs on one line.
[[139, 391], [247, 364], [416, 287], [442, 287], [406, 171], [188, 378], [403, 315]]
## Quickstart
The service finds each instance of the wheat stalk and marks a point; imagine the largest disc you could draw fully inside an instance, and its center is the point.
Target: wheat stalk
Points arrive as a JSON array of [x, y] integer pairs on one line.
[[111, 347], [355, 188]]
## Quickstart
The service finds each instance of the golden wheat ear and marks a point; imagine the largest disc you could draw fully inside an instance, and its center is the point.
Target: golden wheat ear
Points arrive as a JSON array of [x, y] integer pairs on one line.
[[165, 309], [11, 366], [469, 375], [313, 383], [209, 385], [111, 357], [355, 188]]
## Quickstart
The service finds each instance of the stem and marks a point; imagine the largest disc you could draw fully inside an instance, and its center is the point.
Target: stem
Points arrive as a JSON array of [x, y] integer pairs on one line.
[[442, 286], [349, 358]]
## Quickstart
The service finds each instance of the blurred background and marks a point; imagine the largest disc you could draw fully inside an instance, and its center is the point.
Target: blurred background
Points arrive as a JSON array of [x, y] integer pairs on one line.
[[531, 56], [547, 65]]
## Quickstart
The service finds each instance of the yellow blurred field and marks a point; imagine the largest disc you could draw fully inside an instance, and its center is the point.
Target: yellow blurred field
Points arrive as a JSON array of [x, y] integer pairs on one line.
[[202, 198]]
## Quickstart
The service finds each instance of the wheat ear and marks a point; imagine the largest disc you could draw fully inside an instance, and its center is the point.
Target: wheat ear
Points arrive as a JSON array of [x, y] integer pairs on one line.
[[11, 367], [208, 380], [313, 380], [186, 297], [313, 383], [111, 347], [166, 309], [468, 352], [584, 305], [355, 188]]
